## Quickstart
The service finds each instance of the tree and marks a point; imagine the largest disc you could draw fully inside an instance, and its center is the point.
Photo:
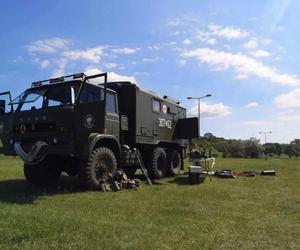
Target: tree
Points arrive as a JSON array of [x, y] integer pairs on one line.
[[278, 149], [253, 149], [295, 141], [292, 150], [269, 149], [235, 149], [208, 136]]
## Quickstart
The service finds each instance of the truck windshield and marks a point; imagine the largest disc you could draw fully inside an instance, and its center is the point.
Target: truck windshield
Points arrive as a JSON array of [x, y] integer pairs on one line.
[[50, 96]]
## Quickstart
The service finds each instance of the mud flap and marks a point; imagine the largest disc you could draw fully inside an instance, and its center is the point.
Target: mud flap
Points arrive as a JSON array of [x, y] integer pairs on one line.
[[186, 128]]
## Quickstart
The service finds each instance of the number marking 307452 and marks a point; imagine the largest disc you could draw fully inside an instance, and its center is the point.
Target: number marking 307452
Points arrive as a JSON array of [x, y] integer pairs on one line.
[[164, 123]]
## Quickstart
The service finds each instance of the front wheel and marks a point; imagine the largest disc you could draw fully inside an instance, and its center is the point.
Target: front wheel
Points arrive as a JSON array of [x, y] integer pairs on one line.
[[43, 173], [100, 166]]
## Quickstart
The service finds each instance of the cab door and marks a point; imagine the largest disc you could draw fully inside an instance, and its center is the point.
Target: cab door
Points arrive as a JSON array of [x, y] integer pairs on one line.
[[112, 121], [89, 114], [6, 110]]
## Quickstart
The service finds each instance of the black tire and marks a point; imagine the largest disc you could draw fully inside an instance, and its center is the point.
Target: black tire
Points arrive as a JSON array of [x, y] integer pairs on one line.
[[157, 167], [43, 173], [174, 162], [101, 165]]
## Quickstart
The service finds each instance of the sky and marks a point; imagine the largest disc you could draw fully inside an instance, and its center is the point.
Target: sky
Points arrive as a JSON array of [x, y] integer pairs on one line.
[[244, 53]]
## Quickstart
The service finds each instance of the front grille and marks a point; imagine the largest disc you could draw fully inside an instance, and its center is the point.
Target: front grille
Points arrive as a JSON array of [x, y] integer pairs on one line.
[[35, 127]]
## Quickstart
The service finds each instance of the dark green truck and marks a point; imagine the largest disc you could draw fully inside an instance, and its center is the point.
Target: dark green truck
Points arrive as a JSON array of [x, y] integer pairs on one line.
[[86, 126]]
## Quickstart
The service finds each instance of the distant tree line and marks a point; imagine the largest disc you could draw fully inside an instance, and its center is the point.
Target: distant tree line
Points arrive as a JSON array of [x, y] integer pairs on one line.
[[252, 148]]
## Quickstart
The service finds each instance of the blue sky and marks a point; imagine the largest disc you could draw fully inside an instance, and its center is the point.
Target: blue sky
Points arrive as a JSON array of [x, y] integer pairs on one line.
[[246, 55]]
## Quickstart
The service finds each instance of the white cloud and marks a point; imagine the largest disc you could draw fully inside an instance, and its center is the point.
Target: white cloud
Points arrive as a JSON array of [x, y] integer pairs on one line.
[[111, 65], [92, 71], [174, 23], [289, 116], [161, 46], [256, 123], [169, 44], [138, 73], [227, 32], [243, 65], [252, 105], [186, 42], [112, 76], [210, 110], [181, 62], [259, 53], [154, 47], [92, 54], [42, 63], [241, 76], [153, 59], [203, 36], [289, 100], [18, 59], [175, 33], [206, 37], [251, 44], [125, 51], [48, 45], [61, 65], [266, 41], [212, 41]]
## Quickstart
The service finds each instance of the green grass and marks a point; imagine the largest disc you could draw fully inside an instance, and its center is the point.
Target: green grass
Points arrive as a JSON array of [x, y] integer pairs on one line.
[[244, 213]]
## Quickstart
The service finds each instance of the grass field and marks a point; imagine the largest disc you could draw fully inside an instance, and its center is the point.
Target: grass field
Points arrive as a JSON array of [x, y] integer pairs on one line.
[[261, 212]]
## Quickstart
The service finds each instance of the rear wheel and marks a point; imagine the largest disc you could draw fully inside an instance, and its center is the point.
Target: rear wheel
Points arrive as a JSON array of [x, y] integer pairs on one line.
[[43, 173], [100, 166], [158, 164], [174, 162]]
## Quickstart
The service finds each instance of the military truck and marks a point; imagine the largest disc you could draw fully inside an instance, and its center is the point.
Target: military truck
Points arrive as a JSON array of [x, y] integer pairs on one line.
[[87, 126]]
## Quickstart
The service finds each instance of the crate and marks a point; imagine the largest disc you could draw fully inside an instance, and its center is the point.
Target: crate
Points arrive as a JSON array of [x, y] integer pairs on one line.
[[194, 174]]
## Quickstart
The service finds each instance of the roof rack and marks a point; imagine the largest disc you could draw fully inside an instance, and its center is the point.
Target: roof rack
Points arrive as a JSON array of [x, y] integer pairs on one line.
[[171, 99], [79, 76]]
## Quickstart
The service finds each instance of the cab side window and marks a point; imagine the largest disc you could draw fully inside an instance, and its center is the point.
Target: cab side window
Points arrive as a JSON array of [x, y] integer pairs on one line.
[[111, 103], [155, 105], [91, 93]]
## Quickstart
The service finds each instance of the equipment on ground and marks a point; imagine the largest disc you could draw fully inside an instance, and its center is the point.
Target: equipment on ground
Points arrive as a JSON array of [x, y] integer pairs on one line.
[[268, 172], [194, 174]]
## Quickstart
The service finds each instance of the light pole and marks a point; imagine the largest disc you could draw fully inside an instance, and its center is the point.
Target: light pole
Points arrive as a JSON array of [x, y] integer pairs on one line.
[[198, 99], [265, 134]]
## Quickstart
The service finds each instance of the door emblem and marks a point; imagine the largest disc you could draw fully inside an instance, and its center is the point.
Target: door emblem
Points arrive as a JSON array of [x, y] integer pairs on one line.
[[89, 121], [164, 109]]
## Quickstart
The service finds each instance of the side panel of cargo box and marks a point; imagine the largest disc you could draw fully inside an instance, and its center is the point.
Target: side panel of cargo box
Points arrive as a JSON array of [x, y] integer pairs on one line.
[[156, 118]]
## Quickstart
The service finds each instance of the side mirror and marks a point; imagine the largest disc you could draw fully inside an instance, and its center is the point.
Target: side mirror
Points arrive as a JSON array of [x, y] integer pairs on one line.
[[2, 107]]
